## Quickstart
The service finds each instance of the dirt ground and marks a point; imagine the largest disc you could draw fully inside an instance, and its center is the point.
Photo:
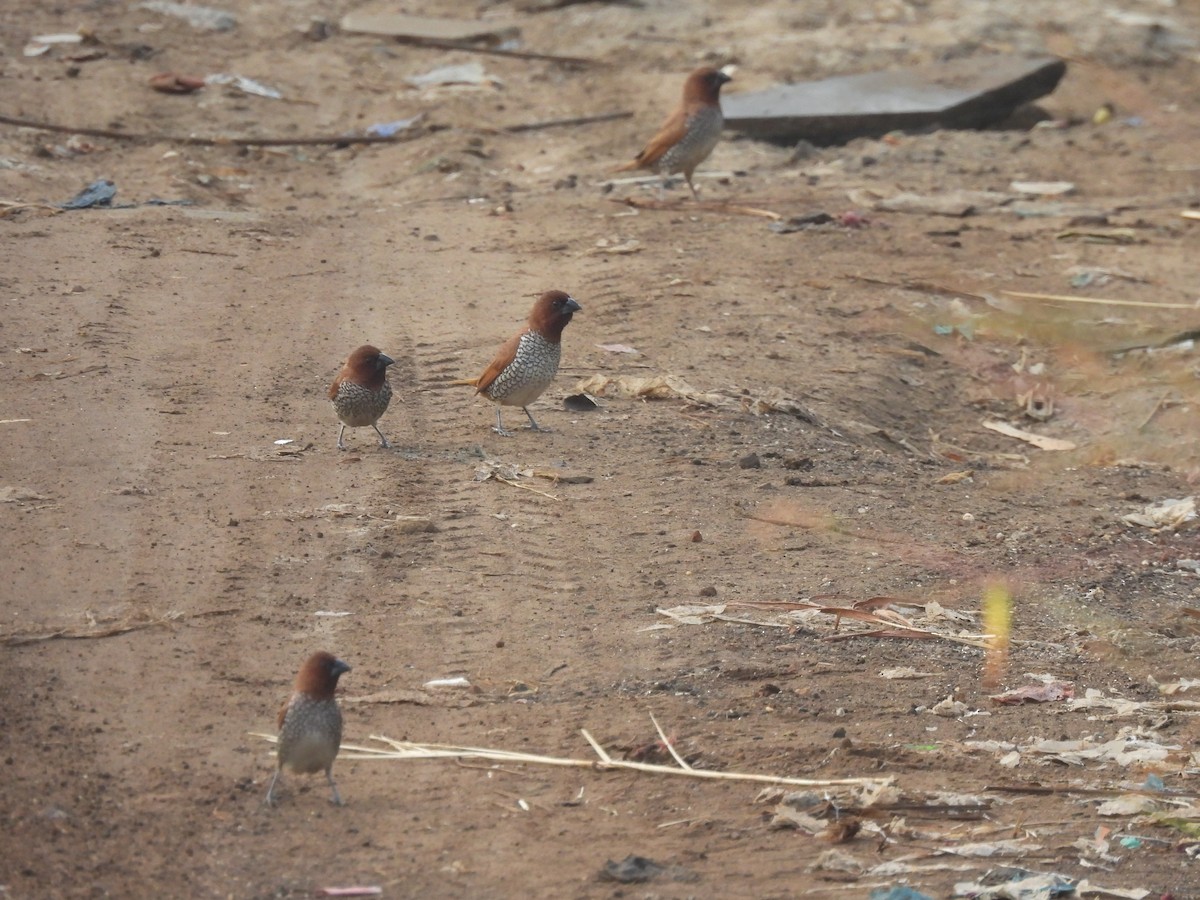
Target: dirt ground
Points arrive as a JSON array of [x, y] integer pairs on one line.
[[170, 563]]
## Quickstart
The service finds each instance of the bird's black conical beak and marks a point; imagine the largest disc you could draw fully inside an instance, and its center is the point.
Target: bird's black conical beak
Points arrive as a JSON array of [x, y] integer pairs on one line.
[[385, 361], [571, 306]]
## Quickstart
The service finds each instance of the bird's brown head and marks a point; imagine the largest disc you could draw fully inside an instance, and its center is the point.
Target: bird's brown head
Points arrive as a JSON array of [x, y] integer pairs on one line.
[[704, 86], [551, 314], [368, 367], [318, 677]]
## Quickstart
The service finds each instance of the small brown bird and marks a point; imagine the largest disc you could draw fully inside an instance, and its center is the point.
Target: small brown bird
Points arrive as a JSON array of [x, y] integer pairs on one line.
[[527, 362], [690, 133], [361, 392], [310, 723]]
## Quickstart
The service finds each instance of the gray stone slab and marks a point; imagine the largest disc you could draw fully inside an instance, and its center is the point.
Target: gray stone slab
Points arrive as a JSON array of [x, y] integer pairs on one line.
[[966, 93]]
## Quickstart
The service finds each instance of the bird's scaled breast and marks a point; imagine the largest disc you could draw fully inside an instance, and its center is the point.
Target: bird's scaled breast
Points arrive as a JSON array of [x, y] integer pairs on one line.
[[358, 406], [311, 735], [529, 374], [703, 132]]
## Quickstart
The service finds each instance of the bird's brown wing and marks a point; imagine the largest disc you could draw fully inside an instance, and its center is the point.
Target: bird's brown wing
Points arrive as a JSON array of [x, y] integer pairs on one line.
[[283, 711], [668, 136], [337, 383], [505, 355]]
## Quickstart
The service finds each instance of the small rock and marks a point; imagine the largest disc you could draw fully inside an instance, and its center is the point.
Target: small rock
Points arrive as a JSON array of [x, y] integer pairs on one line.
[[750, 461], [709, 591]]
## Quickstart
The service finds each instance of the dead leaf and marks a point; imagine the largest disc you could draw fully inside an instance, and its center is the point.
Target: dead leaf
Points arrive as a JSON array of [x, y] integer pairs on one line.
[[1045, 692], [1038, 440]]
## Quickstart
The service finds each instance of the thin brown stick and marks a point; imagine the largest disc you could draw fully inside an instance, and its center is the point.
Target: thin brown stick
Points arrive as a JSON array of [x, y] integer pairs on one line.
[[69, 634], [407, 750], [668, 744], [440, 44], [1154, 411], [193, 141], [525, 487], [561, 123], [1062, 298], [717, 206]]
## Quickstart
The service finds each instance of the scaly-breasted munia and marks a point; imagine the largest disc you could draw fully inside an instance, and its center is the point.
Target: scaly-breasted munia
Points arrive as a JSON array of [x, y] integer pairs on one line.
[[361, 393], [690, 133], [527, 362], [310, 723]]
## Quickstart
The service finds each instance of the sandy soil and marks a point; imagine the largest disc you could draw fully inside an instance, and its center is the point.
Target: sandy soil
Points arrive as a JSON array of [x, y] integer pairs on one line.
[[154, 355]]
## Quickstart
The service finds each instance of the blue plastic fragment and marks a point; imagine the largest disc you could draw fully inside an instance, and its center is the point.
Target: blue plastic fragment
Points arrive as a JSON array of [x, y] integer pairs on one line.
[[898, 892], [98, 193]]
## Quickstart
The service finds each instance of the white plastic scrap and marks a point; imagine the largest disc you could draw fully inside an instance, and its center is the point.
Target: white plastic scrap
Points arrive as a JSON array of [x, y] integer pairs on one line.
[[1164, 514]]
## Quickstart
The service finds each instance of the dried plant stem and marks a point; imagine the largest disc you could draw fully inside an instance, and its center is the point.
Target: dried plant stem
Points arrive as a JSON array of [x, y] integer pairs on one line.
[[402, 750]]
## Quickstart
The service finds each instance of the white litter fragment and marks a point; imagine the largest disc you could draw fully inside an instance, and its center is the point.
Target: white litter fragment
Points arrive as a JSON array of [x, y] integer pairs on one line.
[[203, 17], [464, 73], [1164, 514], [455, 682], [243, 84]]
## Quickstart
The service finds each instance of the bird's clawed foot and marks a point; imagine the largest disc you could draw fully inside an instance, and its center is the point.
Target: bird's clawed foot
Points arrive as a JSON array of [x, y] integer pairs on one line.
[[383, 442], [533, 425]]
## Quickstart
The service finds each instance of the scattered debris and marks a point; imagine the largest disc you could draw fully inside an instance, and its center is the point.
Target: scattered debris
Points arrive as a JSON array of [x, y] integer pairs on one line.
[[41, 44], [406, 750], [640, 869], [391, 129], [1169, 514], [633, 245], [468, 35], [716, 206], [243, 84], [617, 348], [12, 493], [340, 140], [571, 122], [98, 193], [654, 387], [362, 891], [670, 387], [904, 673], [955, 204], [1038, 440], [416, 698], [1129, 748], [174, 83], [1101, 236], [1063, 298], [419, 28], [508, 473], [878, 613], [470, 73], [964, 93], [457, 681], [17, 640], [581, 402], [1043, 188], [202, 17], [1044, 692]]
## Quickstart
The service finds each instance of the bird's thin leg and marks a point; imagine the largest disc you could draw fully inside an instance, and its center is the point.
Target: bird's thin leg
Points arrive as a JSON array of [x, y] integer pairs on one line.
[[270, 801], [383, 442], [341, 431], [337, 799], [532, 422], [695, 194], [499, 429]]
